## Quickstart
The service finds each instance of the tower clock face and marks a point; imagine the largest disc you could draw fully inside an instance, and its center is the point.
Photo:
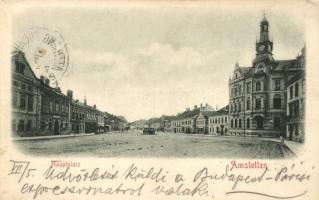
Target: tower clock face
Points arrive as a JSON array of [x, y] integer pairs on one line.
[[261, 47]]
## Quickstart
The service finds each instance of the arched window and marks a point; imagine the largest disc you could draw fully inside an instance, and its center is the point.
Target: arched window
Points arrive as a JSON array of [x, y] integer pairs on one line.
[[277, 123], [248, 123], [239, 107], [248, 103], [258, 85], [277, 101]]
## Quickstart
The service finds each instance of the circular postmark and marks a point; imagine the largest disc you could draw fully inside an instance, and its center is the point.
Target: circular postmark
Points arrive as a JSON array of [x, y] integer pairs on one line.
[[46, 53]]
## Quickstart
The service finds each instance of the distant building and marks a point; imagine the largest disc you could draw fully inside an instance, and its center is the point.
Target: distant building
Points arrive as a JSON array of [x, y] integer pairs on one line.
[[218, 122], [192, 121], [296, 108], [257, 103]]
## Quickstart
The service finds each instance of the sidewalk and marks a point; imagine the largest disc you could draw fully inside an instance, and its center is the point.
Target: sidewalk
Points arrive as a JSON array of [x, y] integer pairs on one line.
[[50, 137], [293, 146]]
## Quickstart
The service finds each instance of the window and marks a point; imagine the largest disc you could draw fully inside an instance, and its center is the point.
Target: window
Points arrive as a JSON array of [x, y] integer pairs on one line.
[[225, 119], [277, 123], [258, 86], [277, 102], [30, 102], [19, 67], [248, 88], [240, 90], [13, 125], [51, 106], [21, 125], [30, 88], [15, 83], [235, 123], [248, 123], [239, 107], [28, 128], [291, 92], [303, 86], [239, 123], [23, 101], [259, 122], [277, 85], [42, 126], [231, 123], [258, 103], [248, 103], [50, 125], [296, 90], [15, 99]]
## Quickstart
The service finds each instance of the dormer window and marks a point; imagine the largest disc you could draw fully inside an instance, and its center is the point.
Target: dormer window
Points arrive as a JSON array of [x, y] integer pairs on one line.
[[19, 67]]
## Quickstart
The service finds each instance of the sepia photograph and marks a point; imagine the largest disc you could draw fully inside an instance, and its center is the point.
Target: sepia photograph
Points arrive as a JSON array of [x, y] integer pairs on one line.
[[159, 83], [174, 100]]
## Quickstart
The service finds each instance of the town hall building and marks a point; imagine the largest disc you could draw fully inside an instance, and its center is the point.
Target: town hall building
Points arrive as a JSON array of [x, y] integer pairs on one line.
[[258, 100]]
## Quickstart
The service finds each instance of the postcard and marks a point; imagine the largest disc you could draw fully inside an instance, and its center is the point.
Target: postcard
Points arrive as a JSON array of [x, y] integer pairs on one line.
[[169, 100]]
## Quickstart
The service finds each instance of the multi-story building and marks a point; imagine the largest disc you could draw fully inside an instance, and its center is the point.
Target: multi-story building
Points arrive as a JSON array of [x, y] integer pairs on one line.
[[55, 107], [218, 122], [77, 114], [176, 125], [201, 122], [257, 103], [26, 97], [90, 119], [296, 108]]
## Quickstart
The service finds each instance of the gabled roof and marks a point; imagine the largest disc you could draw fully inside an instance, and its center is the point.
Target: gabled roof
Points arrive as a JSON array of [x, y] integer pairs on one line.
[[18, 55]]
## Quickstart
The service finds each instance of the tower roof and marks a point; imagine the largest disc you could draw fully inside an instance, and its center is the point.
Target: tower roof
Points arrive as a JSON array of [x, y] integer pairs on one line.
[[264, 20]]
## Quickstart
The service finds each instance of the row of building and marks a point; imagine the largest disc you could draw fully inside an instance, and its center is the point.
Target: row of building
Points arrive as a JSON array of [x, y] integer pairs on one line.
[[266, 99], [39, 109]]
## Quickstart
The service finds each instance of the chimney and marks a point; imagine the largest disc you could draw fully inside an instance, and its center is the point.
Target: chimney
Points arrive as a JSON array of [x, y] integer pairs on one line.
[[69, 93], [84, 100], [47, 81], [206, 104], [94, 106], [195, 107], [201, 106], [42, 79], [58, 89]]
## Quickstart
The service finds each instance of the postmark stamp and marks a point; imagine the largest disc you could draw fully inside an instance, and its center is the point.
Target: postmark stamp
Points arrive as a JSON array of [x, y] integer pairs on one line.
[[46, 51]]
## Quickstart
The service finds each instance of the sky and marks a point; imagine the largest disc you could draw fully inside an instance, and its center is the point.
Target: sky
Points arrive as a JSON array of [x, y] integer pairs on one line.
[[145, 62]]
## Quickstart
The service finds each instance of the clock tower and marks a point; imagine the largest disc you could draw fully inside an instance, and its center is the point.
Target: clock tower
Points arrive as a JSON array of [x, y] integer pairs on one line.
[[264, 46]]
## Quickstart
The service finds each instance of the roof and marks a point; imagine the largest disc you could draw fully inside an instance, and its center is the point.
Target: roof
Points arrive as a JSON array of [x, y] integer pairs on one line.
[[208, 113], [295, 78], [223, 111]]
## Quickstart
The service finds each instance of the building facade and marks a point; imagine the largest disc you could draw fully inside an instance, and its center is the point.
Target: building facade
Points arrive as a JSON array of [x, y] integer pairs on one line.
[[55, 109], [40, 110], [77, 115], [218, 122], [26, 97], [296, 108], [257, 103]]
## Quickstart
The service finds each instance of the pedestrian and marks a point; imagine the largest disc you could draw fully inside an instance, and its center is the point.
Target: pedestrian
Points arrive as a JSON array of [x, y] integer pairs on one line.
[[282, 140]]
